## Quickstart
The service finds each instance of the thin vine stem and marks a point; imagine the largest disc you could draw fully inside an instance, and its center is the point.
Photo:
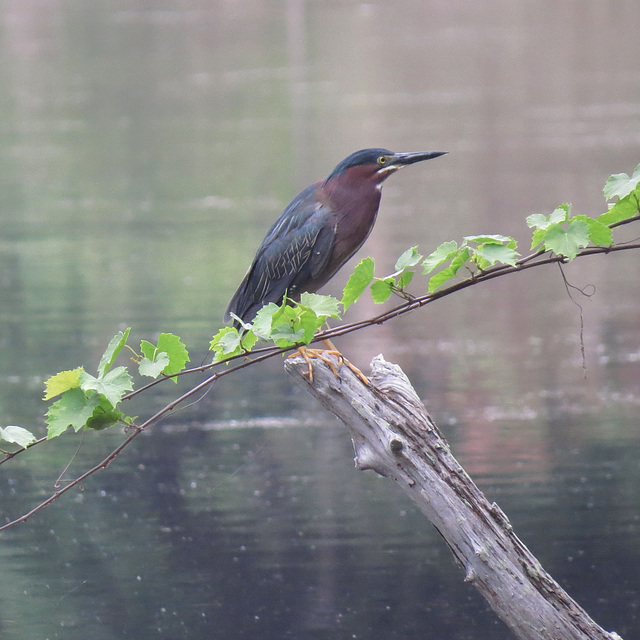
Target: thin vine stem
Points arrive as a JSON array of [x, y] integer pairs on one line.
[[534, 260]]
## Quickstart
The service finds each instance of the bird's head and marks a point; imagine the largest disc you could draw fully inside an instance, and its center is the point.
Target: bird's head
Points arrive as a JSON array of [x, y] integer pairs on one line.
[[373, 166]]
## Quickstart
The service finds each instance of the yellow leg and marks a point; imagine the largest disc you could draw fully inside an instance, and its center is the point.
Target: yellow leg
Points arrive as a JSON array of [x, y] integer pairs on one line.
[[322, 354]]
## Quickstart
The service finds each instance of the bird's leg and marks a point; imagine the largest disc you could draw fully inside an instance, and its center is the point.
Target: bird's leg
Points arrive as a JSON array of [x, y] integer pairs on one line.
[[307, 354], [321, 354], [331, 348]]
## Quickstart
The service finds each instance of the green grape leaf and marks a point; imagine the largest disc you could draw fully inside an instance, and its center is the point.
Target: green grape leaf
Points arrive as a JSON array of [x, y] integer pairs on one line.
[[409, 258], [360, 278], [113, 350], [112, 386], [322, 306], [226, 344], [264, 320], [175, 357], [537, 220], [537, 237], [446, 251], [177, 352], [567, 242], [103, 416], [382, 289], [286, 336], [558, 215], [492, 253], [288, 324], [561, 213], [61, 382], [542, 224], [489, 239], [17, 435], [241, 322], [104, 420], [153, 368], [73, 409], [310, 323], [291, 325], [599, 234], [620, 185], [148, 349], [249, 340], [405, 278], [437, 280], [623, 209]]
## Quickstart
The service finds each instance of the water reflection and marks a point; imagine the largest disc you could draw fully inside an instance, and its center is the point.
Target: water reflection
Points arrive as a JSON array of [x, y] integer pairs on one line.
[[146, 150], [257, 537]]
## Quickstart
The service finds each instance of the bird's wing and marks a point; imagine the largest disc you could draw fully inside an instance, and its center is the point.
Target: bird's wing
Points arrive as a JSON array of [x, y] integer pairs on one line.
[[293, 252]]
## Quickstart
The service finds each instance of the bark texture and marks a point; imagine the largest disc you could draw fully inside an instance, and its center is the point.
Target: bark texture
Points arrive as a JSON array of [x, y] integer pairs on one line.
[[393, 435]]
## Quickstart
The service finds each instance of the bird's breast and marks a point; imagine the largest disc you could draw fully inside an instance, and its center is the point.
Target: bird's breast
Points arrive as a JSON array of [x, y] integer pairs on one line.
[[354, 214]]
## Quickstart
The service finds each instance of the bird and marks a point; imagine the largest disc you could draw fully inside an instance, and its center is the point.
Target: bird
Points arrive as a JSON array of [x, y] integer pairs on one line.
[[322, 227]]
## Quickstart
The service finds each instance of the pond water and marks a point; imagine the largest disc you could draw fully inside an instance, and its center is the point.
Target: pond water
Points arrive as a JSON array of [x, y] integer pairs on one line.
[[145, 150]]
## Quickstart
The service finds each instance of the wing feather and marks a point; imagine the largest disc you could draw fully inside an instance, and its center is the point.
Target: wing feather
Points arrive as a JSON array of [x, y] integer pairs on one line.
[[293, 253]]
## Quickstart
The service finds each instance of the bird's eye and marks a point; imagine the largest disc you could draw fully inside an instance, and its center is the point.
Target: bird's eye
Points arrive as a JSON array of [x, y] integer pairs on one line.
[[382, 160]]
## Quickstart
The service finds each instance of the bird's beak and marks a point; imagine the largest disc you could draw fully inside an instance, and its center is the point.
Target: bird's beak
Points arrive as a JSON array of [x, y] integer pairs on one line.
[[398, 160], [395, 161]]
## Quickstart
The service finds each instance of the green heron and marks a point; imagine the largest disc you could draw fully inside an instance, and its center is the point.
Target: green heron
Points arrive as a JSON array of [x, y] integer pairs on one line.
[[318, 232]]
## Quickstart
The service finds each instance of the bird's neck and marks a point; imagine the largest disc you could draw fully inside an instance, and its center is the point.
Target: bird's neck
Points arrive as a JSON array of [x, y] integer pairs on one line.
[[355, 204]]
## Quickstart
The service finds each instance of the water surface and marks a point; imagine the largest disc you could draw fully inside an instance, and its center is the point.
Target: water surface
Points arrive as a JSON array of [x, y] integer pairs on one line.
[[144, 153]]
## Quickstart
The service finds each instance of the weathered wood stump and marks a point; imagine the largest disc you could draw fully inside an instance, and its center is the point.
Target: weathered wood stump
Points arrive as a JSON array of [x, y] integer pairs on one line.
[[393, 435]]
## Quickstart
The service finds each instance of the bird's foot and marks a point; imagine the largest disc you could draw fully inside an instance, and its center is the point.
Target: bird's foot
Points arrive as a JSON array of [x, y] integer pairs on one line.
[[355, 370], [322, 354]]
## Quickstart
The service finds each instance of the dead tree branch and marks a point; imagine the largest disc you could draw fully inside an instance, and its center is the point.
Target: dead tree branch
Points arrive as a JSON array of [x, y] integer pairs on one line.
[[393, 435]]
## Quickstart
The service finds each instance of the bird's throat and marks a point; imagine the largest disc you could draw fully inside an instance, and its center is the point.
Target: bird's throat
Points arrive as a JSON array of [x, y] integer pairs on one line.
[[355, 208]]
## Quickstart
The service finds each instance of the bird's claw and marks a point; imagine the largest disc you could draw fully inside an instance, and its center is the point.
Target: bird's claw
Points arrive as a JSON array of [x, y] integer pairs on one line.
[[322, 354], [356, 371]]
